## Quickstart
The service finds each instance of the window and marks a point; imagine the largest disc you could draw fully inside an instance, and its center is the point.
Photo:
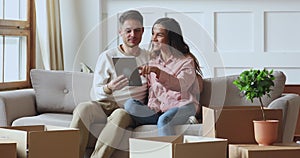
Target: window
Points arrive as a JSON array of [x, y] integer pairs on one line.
[[17, 43]]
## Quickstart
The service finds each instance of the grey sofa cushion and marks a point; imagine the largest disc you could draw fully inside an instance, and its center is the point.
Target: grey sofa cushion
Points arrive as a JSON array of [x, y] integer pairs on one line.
[[221, 91], [60, 91]]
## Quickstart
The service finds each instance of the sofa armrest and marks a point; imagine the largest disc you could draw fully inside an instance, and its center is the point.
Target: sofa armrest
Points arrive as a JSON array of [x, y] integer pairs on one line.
[[289, 103], [15, 104]]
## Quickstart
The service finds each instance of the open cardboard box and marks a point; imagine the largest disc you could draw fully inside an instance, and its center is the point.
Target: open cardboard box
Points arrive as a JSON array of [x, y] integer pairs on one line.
[[290, 150], [41, 141], [8, 148], [235, 123], [177, 147]]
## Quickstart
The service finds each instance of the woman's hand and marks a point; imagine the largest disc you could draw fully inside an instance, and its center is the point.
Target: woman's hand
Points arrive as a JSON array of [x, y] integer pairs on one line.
[[145, 70]]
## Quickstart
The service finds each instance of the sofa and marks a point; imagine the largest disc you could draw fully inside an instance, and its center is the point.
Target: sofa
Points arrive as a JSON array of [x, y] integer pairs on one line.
[[55, 94]]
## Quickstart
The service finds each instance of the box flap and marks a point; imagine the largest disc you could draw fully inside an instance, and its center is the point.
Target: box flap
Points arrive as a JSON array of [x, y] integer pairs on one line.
[[4, 140], [27, 128], [208, 124], [167, 139], [148, 148], [57, 128], [200, 139], [234, 107], [17, 135]]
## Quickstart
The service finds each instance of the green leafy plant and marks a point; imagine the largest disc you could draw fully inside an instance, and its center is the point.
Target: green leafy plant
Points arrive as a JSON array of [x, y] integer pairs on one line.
[[255, 84]]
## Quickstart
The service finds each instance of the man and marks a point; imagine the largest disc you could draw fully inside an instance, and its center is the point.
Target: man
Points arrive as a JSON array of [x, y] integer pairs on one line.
[[111, 91]]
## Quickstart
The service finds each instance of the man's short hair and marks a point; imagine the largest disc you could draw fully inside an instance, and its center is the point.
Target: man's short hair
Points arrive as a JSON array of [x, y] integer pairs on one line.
[[131, 14]]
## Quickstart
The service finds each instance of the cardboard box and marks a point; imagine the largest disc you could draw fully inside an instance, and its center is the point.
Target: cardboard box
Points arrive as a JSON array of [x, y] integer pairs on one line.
[[43, 141], [8, 148], [256, 151], [235, 123], [177, 147]]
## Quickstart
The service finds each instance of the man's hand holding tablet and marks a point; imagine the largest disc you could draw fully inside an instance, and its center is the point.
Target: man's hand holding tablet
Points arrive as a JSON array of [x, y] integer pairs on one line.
[[127, 66]]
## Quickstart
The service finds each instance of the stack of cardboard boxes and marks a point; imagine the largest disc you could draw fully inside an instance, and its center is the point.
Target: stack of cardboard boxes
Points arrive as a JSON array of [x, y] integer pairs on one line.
[[41, 141], [236, 124], [178, 147], [221, 126], [279, 150]]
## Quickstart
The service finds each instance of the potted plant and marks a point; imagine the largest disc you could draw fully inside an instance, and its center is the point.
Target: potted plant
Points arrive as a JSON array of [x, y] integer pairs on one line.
[[255, 84]]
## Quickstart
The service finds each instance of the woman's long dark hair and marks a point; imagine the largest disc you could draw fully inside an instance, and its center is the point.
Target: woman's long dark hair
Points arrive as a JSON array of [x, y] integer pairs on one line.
[[175, 39]]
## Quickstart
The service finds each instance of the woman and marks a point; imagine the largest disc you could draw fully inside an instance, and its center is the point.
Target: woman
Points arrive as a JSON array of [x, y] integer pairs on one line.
[[171, 75]]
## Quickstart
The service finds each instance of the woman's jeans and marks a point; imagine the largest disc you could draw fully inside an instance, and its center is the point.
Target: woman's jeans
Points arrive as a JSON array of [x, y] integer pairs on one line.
[[142, 115]]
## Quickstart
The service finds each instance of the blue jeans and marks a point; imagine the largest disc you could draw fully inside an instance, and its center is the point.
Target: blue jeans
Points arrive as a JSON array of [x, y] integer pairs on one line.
[[142, 115]]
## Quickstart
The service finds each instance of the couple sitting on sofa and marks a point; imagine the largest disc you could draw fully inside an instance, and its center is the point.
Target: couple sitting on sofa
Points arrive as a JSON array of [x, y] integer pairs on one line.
[[169, 81]]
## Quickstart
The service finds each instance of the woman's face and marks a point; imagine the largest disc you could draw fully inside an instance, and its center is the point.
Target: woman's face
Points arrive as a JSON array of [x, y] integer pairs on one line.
[[159, 38]]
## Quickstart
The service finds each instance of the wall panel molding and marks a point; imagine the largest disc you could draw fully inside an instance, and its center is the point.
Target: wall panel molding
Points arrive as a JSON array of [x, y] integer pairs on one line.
[[282, 32], [231, 28], [226, 71], [249, 34]]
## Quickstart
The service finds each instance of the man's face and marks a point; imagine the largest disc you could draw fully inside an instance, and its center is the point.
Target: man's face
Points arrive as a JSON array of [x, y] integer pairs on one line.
[[131, 32]]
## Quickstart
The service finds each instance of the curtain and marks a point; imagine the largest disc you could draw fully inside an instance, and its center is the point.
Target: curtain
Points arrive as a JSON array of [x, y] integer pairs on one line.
[[49, 36]]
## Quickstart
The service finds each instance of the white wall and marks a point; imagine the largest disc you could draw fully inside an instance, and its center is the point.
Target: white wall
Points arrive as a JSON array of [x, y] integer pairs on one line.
[[80, 19], [246, 33]]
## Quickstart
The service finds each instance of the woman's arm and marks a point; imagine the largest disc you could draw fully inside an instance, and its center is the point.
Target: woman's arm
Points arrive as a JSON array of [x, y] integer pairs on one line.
[[181, 81]]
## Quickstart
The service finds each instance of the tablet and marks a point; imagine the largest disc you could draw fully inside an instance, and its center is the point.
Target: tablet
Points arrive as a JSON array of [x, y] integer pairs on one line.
[[127, 66]]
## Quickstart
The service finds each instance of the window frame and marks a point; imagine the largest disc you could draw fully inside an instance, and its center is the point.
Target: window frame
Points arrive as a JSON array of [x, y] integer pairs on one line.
[[22, 28]]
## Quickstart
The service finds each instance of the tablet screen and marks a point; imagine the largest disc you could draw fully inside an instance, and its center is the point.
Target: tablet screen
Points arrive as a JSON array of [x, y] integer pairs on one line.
[[127, 66]]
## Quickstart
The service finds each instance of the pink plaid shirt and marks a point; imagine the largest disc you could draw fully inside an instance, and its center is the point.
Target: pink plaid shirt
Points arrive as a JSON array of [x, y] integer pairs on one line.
[[174, 85]]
